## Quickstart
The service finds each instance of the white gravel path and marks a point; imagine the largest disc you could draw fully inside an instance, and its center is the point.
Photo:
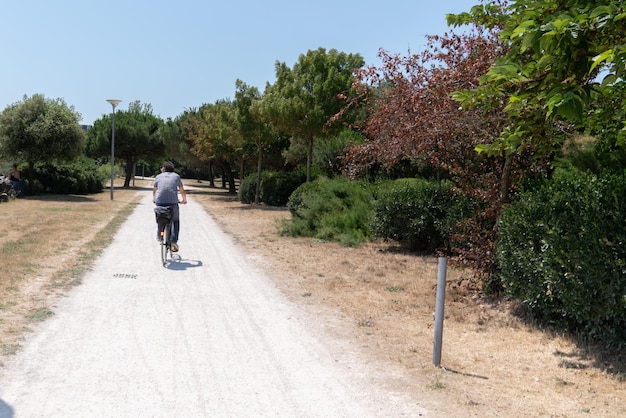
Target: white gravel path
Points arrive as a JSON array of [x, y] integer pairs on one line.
[[208, 336]]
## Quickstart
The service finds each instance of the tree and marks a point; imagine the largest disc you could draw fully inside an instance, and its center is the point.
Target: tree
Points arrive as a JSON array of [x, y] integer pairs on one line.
[[136, 136], [304, 99], [414, 120], [254, 126], [40, 129], [178, 145], [215, 137], [556, 52]]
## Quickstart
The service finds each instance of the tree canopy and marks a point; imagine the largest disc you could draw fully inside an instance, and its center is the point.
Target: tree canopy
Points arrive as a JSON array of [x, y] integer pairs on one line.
[[215, 136], [304, 99], [136, 136], [558, 53], [40, 129]]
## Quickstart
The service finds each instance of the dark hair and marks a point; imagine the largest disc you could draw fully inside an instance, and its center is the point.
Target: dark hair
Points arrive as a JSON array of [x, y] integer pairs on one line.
[[168, 166]]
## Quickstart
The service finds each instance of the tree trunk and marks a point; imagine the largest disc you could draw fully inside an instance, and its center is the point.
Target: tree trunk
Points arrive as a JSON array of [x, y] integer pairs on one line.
[[258, 177], [309, 158], [211, 175], [227, 176], [130, 164], [505, 182]]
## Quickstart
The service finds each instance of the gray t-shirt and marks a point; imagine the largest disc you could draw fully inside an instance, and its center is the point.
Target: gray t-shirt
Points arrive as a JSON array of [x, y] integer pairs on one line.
[[167, 184]]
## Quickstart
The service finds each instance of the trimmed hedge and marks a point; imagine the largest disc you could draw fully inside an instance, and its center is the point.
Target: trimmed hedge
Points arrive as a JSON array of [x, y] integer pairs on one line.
[[562, 252]]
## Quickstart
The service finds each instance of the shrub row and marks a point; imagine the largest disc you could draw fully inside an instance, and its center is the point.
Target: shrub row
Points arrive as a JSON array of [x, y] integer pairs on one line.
[[418, 212], [80, 176], [562, 253]]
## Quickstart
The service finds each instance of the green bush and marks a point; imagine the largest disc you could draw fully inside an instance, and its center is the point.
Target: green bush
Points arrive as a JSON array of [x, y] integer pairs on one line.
[[561, 250], [419, 212], [80, 176], [247, 188], [331, 210], [277, 186]]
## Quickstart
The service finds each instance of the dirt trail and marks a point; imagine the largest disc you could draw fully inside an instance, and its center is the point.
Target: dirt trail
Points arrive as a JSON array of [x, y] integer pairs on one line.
[[207, 336]]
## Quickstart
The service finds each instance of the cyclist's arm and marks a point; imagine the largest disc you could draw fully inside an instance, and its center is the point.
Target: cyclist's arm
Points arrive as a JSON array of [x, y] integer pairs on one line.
[[183, 194]]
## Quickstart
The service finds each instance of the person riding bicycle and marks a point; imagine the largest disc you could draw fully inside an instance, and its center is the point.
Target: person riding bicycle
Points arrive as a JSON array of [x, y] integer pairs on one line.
[[167, 185]]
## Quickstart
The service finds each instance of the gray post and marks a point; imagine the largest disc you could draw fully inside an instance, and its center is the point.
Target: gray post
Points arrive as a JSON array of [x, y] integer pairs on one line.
[[112, 151], [113, 103], [441, 296]]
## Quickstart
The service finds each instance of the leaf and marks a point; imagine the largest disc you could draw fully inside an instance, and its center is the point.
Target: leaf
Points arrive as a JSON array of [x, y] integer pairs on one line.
[[601, 11], [522, 28], [599, 59]]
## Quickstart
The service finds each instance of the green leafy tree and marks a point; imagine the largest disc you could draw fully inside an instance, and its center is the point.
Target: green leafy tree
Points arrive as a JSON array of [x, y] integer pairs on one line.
[[136, 136], [556, 52], [40, 129], [256, 130], [304, 99], [176, 138], [216, 138]]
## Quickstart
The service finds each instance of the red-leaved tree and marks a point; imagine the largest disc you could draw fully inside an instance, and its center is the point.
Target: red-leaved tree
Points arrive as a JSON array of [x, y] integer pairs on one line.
[[412, 117]]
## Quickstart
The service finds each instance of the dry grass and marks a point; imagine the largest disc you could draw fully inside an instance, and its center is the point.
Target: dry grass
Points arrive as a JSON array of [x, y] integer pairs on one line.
[[383, 300], [377, 297], [49, 242]]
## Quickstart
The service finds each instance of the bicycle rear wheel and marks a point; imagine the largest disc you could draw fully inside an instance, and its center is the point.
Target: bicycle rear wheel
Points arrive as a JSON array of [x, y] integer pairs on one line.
[[165, 244]]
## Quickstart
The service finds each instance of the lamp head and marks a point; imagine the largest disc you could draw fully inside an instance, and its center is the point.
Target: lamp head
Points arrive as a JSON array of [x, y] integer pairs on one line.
[[114, 102]]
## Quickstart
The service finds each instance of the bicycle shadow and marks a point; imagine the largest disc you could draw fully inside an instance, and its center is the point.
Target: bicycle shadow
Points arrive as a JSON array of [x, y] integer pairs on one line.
[[178, 263]]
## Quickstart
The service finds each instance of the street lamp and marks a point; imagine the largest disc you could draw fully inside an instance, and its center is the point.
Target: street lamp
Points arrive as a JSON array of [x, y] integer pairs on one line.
[[113, 104]]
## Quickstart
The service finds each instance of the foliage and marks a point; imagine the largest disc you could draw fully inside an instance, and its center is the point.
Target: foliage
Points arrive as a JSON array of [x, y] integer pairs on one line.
[[332, 210], [562, 253], [40, 129], [304, 99], [412, 116], [136, 136], [215, 136], [605, 121], [79, 176], [328, 154], [275, 187], [420, 212], [415, 126], [556, 51], [176, 139], [257, 132]]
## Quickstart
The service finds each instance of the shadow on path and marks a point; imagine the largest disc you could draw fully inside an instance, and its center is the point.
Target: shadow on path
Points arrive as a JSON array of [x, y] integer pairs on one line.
[[178, 263], [5, 410]]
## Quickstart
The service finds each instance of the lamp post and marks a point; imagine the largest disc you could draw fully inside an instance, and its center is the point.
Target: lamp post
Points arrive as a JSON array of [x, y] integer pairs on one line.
[[113, 104]]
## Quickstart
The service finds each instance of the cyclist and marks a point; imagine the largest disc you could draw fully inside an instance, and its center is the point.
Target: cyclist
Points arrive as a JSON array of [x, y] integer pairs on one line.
[[167, 185]]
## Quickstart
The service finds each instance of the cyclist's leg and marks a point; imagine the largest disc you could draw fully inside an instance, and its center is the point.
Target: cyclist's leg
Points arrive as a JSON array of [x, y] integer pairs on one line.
[[175, 223]]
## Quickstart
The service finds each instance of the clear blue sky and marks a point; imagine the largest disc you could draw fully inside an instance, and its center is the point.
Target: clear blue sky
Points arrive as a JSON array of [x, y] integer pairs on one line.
[[180, 55]]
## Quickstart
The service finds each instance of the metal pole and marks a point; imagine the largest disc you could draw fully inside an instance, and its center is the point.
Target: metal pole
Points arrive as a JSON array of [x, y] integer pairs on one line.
[[113, 104], [113, 152], [441, 296]]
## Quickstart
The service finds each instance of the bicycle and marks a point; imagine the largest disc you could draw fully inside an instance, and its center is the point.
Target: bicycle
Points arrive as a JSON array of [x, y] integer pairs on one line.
[[164, 222]]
